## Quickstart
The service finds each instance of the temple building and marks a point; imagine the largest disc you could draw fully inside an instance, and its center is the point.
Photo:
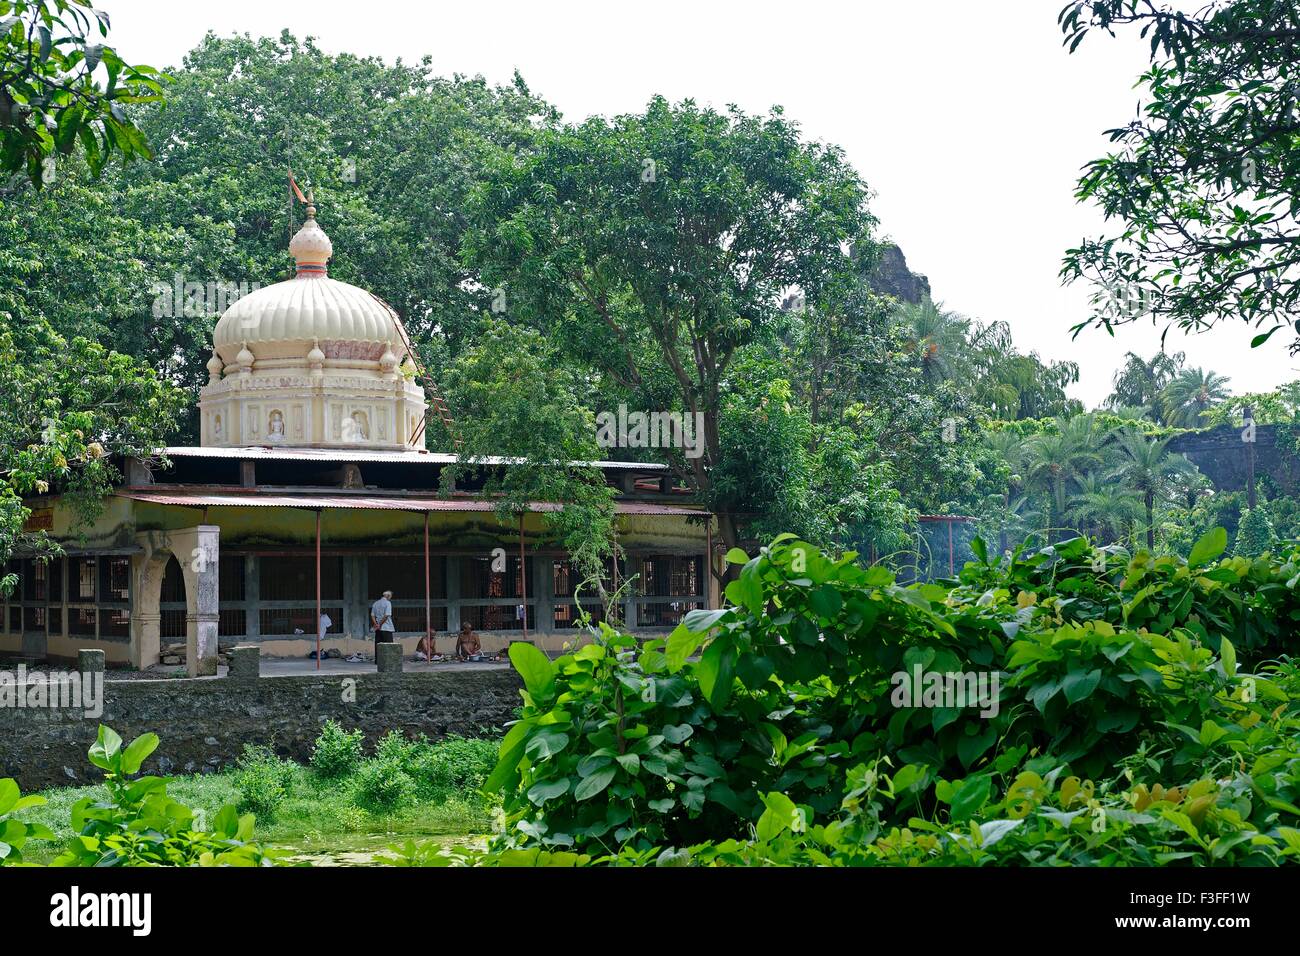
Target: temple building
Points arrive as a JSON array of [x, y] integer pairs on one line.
[[312, 487]]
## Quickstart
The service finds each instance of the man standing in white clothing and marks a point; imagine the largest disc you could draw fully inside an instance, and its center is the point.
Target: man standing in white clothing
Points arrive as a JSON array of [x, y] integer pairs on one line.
[[381, 619]]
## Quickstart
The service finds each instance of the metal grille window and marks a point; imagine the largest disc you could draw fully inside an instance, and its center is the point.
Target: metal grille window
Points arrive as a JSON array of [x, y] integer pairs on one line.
[[566, 615], [81, 621], [664, 615], [408, 619], [230, 578], [478, 580], [670, 586], [171, 623], [496, 617], [114, 579], [670, 576], [293, 578], [35, 580], [297, 621], [404, 576], [115, 623], [84, 590]]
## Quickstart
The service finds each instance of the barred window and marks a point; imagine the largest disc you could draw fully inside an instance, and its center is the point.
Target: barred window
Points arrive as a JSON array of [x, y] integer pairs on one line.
[[478, 580], [282, 578], [671, 576]]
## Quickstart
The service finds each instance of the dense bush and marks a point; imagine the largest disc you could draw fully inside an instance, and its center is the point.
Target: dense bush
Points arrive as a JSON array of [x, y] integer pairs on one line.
[[381, 785], [137, 824], [1125, 730], [263, 780], [455, 766], [337, 752]]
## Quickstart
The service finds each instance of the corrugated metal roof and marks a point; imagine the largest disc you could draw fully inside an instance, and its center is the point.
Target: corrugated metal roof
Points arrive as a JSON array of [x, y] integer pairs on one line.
[[369, 502], [265, 453]]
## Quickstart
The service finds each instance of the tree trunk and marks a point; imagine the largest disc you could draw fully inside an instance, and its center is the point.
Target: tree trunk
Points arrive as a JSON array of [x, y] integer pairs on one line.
[[1151, 521]]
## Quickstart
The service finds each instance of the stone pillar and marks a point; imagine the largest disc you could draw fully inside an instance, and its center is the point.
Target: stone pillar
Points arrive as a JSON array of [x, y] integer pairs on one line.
[[245, 662], [147, 569], [199, 552], [252, 595], [388, 658], [90, 661]]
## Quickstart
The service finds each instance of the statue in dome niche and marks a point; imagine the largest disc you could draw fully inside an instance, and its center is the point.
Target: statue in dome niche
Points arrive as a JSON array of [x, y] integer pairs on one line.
[[275, 426], [216, 427], [357, 427]]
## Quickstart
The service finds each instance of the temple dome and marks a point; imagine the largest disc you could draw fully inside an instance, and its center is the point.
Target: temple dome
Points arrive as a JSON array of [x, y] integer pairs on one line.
[[311, 361], [285, 321], [311, 310]]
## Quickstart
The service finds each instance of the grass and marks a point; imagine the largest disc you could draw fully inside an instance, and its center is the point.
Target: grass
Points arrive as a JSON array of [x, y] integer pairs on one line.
[[316, 817]]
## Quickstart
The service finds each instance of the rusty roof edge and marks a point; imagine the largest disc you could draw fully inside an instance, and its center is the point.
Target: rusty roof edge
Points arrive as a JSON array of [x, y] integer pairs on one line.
[[374, 502]]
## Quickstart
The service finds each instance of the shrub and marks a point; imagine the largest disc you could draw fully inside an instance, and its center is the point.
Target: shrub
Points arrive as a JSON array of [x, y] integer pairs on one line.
[[381, 786], [395, 747], [263, 780], [1255, 533], [139, 825], [784, 725], [15, 833], [454, 766], [337, 752]]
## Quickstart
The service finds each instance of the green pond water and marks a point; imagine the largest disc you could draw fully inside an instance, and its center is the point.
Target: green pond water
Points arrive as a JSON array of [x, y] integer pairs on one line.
[[361, 849]]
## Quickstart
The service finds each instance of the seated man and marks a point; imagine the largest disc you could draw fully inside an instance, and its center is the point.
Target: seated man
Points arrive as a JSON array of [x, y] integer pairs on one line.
[[467, 644], [424, 650]]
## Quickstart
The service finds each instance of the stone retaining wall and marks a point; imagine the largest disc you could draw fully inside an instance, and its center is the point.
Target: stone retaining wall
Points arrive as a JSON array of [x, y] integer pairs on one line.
[[204, 724]]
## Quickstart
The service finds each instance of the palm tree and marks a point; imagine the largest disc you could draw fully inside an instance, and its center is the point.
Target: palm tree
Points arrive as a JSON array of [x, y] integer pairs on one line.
[[1104, 507], [1150, 470], [1055, 459], [1192, 392], [1139, 381], [939, 337]]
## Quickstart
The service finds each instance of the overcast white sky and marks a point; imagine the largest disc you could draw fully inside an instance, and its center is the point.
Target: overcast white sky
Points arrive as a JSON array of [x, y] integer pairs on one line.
[[970, 132]]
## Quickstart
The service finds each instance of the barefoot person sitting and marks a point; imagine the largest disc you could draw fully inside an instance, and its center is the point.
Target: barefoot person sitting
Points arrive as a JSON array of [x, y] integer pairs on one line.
[[424, 649], [467, 644]]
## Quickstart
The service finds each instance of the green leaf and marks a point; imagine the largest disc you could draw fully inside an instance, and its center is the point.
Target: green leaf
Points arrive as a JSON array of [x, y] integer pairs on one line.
[[8, 794], [104, 752], [506, 773], [1211, 544], [594, 784], [138, 751], [545, 744], [535, 668], [777, 818], [1228, 655], [1078, 685], [1211, 732], [826, 601], [716, 673], [970, 796], [677, 733], [539, 793]]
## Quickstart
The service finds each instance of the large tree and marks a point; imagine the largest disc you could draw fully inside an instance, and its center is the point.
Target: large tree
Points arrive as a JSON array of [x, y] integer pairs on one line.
[[1203, 185], [669, 238], [392, 152], [63, 89]]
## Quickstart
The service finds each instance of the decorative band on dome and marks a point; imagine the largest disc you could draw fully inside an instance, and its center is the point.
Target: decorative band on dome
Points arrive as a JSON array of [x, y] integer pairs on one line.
[[311, 270]]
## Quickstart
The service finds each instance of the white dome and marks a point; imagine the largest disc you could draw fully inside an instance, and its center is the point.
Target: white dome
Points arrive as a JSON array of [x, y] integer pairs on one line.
[[311, 362], [282, 321]]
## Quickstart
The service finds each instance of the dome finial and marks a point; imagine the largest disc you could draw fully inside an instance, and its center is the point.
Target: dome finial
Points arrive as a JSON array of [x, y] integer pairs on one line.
[[310, 247]]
